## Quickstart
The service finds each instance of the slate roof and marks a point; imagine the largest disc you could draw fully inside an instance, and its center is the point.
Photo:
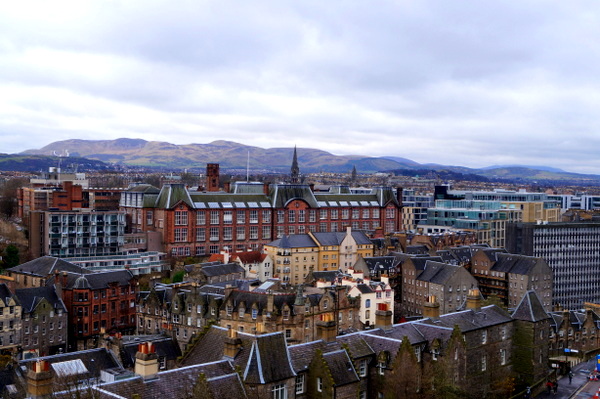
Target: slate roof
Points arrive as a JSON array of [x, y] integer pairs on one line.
[[6, 295], [417, 249], [221, 269], [336, 238], [281, 194], [530, 308], [96, 281], [380, 264], [46, 266], [364, 289], [260, 299], [438, 272], [294, 241], [94, 360], [30, 298], [355, 343], [165, 347], [515, 264], [250, 257], [302, 354], [172, 194], [143, 188], [222, 380], [341, 368], [269, 360], [471, 319]]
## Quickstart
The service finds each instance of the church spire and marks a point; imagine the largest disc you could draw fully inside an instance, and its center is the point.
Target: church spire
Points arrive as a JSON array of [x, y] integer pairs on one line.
[[295, 171]]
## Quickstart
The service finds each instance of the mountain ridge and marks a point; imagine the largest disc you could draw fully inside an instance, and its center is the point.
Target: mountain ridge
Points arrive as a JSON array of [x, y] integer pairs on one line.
[[232, 155]]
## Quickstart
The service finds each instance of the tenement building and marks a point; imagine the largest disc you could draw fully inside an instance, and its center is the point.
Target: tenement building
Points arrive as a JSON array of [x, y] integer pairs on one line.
[[251, 215], [572, 251]]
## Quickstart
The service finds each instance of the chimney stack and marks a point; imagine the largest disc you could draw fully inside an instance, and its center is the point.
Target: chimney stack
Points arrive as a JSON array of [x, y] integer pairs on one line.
[[431, 307], [326, 328], [39, 380], [232, 344], [212, 177], [383, 317], [474, 299], [146, 361]]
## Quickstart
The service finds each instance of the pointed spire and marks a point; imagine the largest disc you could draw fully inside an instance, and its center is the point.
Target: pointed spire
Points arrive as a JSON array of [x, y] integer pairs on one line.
[[295, 170]]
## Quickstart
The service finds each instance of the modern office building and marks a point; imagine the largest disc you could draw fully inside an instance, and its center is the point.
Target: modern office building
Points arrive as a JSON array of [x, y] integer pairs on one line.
[[572, 250]]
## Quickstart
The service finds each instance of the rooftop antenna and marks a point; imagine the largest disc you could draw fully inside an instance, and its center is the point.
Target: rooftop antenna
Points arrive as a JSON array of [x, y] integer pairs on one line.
[[248, 168]]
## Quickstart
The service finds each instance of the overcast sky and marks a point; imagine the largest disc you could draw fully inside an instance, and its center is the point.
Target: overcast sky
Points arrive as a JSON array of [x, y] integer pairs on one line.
[[472, 83]]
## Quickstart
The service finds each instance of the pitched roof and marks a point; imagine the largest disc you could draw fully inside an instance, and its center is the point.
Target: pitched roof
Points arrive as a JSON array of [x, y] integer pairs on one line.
[[294, 241], [6, 295], [437, 272], [471, 319], [530, 308], [269, 360], [31, 297], [220, 269], [341, 367], [250, 257], [165, 347], [221, 378], [94, 360], [95, 281], [46, 266], [515, 264], [380, 264]]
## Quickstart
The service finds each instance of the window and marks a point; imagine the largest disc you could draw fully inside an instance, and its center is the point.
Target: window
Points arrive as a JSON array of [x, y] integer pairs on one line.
[[279, 391], [502, 357], [200, 218], [362, 368], [254, 313], [181, 218], [301, 216], [484, 336], [241, 217], [228, 217], [228, 233], [288, 333], [214, 234], [319, 384], [240, 233], [266, 216], [300, 383], [214, 217], [254, 216], [368, 303], [280, 216], [180, 235], [291, 216], [381, 368], [266, 232], [254, 232], [483, 362]]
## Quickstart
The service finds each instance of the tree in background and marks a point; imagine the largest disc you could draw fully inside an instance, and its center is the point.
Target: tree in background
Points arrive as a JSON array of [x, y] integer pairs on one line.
[[11, 256]]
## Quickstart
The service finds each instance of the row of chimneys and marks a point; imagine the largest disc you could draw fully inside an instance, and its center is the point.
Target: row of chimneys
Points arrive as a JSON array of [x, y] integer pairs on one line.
[[40, 376], [431, 307]]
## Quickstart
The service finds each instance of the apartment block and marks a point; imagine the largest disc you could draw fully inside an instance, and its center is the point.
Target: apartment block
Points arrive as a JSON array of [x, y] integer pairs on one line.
[[76, 233]]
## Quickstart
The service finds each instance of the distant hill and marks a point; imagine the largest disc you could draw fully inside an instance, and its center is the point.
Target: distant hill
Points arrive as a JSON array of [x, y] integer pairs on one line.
[[36, 163], [228, 154], [232, 155]]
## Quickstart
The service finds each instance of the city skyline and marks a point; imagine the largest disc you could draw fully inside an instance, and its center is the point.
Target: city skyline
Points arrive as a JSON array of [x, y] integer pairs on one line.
[[436, 82]]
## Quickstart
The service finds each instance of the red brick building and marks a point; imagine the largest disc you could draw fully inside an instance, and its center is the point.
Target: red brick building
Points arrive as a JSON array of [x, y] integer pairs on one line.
[[97, 303], [252, 214]]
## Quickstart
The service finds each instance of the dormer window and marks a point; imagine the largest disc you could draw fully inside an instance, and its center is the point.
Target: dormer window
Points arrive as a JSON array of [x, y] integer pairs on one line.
[[241, 312], [254, 313]]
